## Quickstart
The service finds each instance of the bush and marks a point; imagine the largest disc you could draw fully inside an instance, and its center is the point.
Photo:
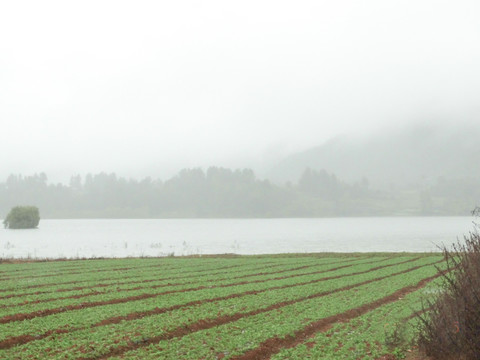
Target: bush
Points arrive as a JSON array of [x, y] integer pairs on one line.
[[450, 326], [22, 217]]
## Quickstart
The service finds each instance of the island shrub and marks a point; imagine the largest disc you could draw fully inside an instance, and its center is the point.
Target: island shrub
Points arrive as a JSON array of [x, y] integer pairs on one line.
[[22, 217], [450, 324]]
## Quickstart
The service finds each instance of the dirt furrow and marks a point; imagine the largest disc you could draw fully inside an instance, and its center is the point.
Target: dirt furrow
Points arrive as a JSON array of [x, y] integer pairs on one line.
[[274, 345], [156, 311], [29, 270], [23, 339], [7, 343], [47, 312], [102, 285], [308, 266], [107, 279], [137, 288], [85, 270], [205, 324], [62, 273]]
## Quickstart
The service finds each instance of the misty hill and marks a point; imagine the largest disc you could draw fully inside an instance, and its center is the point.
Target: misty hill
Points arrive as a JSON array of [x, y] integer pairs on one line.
[[417, 156], [429, 170]]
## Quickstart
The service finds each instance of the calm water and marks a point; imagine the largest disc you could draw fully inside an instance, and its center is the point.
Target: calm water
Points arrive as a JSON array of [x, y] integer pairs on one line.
[[121, 238]]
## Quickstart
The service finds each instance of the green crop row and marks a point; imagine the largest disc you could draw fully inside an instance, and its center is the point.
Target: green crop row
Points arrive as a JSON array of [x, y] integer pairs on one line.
[[235, 309], [110, 335], [238, 337], [185, 282], [389, 329], [138, 273], [133, 272], [86, 287], [102, 312]]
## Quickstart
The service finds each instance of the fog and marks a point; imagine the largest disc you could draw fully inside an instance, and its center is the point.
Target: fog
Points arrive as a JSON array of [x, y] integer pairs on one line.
[[147, 88], [415, 155]]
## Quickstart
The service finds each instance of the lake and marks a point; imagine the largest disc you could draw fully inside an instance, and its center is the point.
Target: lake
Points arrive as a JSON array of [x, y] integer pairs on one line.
[[163, 237]]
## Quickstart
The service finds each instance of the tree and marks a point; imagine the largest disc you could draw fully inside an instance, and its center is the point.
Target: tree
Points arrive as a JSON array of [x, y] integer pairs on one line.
[[22, 217]]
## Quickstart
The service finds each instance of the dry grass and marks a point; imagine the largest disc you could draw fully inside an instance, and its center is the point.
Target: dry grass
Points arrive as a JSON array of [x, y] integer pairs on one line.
[[450, 329]]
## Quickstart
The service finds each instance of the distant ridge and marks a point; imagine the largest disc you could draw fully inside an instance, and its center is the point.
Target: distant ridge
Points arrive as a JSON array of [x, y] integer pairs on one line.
[[413, 155]]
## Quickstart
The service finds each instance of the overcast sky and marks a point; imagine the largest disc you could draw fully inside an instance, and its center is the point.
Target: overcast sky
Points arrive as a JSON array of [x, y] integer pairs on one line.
[[148, 87]]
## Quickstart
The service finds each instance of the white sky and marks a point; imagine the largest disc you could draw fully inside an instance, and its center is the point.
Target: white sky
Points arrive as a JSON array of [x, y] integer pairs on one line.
[[148, 87]]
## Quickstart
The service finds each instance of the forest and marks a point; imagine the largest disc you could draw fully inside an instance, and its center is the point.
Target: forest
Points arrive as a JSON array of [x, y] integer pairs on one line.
[[220, 192]]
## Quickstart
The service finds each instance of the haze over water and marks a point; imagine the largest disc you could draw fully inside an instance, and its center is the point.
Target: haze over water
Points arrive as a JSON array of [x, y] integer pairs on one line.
[[121, 238]]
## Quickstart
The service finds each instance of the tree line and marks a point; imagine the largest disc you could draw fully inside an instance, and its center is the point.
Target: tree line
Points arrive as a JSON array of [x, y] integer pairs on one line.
[[218, 192]]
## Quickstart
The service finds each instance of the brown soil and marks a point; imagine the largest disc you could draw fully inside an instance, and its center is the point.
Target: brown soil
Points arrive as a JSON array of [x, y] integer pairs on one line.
[[23, 339], [47, 312], [120, 283], [9, 342], [79, 296], [105, 270], [274, 345], [28, 270], [139, 315], [411, 355], [77, 288], [417, 355], [74, 270], [162, 285]]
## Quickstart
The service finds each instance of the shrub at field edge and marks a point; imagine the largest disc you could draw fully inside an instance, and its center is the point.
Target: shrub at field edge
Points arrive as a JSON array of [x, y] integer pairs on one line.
[[450, 326]]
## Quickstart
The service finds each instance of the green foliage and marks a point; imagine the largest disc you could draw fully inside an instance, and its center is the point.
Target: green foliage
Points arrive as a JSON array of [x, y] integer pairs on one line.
[[224, 193], [264, 296], [22, 217], [396, 338]]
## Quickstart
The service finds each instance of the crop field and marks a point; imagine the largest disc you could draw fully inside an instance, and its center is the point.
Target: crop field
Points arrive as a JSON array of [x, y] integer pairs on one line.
[[302, 306]]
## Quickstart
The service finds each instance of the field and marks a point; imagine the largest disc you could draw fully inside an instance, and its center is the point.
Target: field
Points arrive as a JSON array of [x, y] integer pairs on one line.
[[317, 306]]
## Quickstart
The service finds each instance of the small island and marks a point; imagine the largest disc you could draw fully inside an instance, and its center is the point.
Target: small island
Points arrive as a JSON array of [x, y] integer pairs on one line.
[[22, 217]]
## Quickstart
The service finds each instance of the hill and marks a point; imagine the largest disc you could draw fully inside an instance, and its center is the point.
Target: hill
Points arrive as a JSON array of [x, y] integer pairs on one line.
[[417, 155]]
